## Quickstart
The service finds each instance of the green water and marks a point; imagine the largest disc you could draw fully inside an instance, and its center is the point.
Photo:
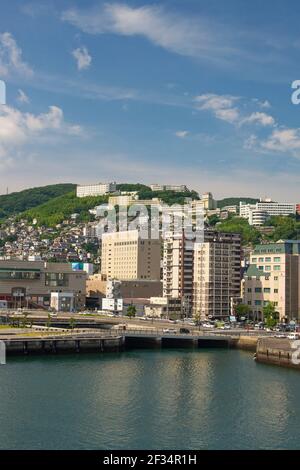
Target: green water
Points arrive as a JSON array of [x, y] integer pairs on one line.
[[171, 399]]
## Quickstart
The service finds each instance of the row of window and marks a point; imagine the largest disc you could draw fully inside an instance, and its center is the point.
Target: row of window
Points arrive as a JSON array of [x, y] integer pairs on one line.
[[259, 290], [276, 267], [264, 303], [266, 260]]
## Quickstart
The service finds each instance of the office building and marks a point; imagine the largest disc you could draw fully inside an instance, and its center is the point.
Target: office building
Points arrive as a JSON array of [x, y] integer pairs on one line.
[[126, 256]]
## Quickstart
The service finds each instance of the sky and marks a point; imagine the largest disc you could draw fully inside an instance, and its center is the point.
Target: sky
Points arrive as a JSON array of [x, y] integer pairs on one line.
[[194, 92]]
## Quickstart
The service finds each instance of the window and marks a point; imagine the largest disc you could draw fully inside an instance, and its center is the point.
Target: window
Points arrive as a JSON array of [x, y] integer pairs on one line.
[[261, 268], [249, 289], [268, 260], [277, 260], [268, 268], [277, 267], [275, 278], [254, 260], [275, 291], [267, 290], [258, 302], [56, 279], [261, 260], [258, 290]]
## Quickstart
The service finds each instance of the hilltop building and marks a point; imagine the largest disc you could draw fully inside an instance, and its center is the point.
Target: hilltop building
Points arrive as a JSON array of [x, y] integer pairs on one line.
[[98, 189]]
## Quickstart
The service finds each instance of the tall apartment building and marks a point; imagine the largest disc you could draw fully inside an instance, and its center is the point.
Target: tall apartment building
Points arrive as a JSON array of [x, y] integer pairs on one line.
[[216, 278], [274, 276], [180, 255], [31, 283], [258, 213], [126, 256], [98, 189]]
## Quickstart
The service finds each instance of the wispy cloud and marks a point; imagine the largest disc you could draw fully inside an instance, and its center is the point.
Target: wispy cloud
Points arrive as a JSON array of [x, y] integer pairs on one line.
[[189, 36], [222, 106], [82, 57], [182, 134], [11, 61], [22, 98], [259, 118], [283, 140]]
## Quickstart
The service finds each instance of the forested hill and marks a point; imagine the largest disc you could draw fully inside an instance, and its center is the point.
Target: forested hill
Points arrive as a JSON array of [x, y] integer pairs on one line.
[[235, 201], [14, 203]]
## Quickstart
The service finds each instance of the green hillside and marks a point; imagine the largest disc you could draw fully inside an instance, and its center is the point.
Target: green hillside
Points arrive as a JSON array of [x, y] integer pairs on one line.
[[14, 203], [235, 201], [168, 197], [60, 208]]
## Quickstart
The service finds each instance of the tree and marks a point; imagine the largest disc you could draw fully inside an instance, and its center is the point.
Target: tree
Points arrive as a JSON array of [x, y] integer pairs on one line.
[[242, 310], [24, 320], [270, 315], [131, 311], [72, 323], [197, 319], [48, 324]]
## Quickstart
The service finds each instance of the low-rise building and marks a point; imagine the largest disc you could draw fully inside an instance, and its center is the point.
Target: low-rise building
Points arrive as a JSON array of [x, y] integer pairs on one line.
[[31, 283]]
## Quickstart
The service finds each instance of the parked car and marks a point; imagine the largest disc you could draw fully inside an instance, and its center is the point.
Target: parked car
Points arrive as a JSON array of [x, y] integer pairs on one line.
[[184, 331], [294, 336]]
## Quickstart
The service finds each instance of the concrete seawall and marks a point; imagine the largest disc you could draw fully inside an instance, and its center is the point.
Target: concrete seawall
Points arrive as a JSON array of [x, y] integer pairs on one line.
[[246, 343], [277, 352], [26, 346]]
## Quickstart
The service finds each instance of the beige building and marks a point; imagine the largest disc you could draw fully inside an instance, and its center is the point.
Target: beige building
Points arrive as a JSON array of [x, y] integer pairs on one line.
[[126, 256], [30, 283], [273, 276]]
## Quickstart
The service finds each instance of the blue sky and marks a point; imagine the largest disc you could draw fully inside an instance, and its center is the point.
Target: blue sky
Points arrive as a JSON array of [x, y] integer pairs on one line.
[[195, 92]]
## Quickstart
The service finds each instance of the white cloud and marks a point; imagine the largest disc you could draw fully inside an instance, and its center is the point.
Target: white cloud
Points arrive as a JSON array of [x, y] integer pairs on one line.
[[189, 36], [18, 129], [11, 61], [22, 97], [82, 57], [262, 104], [182, 134], [259, 118], [222, 106], [283, 140]]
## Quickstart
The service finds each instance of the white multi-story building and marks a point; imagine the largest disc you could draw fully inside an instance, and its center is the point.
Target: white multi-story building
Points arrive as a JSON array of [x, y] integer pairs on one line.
[[98, 189], [258, 213]]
